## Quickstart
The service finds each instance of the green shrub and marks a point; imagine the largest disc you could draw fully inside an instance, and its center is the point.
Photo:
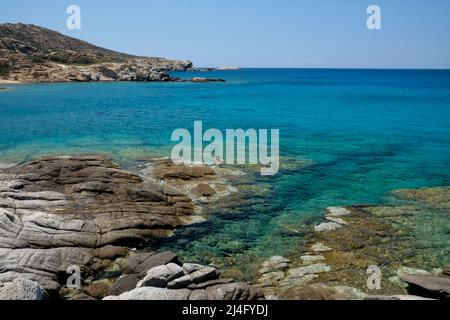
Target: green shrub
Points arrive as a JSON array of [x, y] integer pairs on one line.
[[58, 59], [4, 69], [82, 60], [38, 59]]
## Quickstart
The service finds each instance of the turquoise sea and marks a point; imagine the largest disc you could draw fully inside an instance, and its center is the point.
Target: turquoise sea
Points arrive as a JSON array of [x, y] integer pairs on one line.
[[346, 137]]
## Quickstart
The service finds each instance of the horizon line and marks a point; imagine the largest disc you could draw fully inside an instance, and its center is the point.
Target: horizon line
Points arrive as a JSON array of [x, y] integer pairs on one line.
[[333, 68]]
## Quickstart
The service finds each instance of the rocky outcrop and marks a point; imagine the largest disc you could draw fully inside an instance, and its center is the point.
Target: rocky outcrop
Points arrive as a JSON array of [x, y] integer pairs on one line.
[[57, 212], [187, 282], [34, 54], [61, 213], [22, 289], [85, 201], [202, 184], [206, 80]]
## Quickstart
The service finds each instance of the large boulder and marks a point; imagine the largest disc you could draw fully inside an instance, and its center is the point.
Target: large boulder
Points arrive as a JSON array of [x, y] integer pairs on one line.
[[196, 277], [123, 284], [45, 266], [84, 202], [162, 275], [232, 291], [189, 281], [429, 286], [22, 289], [152, 293]]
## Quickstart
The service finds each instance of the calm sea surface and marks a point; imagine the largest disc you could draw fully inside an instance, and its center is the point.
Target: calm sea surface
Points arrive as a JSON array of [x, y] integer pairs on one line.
[[346, 137]]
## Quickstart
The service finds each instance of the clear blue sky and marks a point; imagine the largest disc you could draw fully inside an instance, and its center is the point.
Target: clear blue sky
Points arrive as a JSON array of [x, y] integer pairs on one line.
[[257, 33]]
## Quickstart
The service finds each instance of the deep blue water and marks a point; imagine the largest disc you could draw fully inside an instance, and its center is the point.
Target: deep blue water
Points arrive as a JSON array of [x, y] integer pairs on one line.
[[347, 136]]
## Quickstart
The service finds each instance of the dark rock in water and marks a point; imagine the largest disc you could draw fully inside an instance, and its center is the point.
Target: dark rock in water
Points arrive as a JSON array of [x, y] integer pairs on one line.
[[124, 284], [166, 169], [206, 80], [428, 286], [446, 271]]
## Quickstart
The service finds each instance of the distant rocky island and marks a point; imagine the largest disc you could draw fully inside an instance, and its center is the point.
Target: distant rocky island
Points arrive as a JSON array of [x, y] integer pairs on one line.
[[30, 53]]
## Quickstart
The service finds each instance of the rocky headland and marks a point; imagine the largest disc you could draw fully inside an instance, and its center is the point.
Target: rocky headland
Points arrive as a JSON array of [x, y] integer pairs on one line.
[[86, 211], [31, 54]]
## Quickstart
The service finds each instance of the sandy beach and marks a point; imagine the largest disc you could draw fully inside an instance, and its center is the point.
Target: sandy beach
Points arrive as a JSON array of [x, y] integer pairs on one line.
[[9, 82]]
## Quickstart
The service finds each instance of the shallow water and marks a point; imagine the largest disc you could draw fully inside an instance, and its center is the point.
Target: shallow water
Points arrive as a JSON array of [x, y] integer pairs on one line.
[[347, 137]]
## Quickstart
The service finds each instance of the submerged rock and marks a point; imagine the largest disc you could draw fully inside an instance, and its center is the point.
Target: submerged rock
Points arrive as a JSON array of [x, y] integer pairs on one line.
[[320, 247], [384, 236], [201, 183], [309, 259], [337, 211], [327, 226], [309, 269], [276, 263]]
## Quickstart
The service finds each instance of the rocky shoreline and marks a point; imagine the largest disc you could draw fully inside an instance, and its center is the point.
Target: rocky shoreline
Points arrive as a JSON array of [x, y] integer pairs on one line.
[[32, 54], [86, 211], [59, 212]]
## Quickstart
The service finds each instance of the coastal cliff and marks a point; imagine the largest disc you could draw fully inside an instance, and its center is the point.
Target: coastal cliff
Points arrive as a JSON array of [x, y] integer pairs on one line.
[[30, 53]]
